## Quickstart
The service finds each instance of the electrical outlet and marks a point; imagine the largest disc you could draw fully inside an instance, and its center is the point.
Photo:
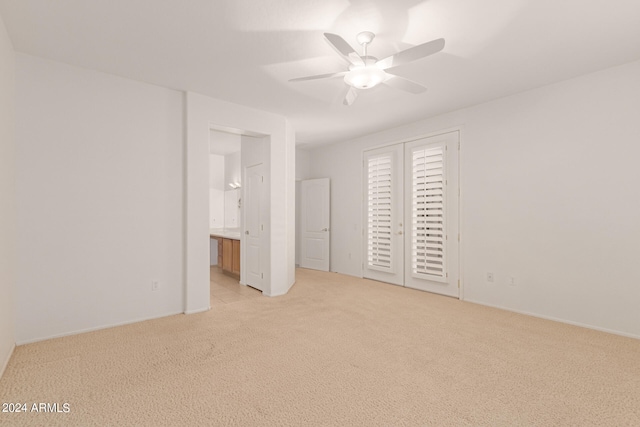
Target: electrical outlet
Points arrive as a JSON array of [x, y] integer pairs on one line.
[[155, 285], [489, 277], [512, 281]]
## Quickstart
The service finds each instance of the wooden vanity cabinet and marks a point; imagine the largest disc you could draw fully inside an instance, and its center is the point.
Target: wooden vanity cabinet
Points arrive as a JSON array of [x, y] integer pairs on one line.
[[227, 254], [235, 259], [219, 239], [231, 256]]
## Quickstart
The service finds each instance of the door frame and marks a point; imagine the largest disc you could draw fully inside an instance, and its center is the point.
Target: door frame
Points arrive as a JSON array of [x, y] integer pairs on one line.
[[460, 130], [201, 113]]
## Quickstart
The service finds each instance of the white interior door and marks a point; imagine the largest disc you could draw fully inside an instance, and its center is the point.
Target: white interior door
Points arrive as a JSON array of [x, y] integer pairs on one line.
[[411, 214], [253, 226], [314, 227], [383, 215]]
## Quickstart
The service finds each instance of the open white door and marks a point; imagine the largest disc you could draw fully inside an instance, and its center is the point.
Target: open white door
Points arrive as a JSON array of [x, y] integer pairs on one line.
[[253, 226], [315, 199]]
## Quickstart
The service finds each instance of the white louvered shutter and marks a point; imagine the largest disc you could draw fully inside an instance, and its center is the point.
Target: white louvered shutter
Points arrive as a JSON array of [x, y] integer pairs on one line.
[[428, 236], [379, 213]]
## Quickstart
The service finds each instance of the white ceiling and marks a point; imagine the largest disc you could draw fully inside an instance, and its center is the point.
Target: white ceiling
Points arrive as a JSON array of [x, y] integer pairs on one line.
[[245, 51]]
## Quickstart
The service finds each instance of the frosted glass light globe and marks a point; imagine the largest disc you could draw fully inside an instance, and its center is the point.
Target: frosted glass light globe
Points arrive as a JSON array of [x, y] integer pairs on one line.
[[364, 77]]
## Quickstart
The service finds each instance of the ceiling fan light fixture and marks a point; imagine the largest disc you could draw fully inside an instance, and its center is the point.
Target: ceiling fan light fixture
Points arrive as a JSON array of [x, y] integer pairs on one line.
[[365, 77], [366, 71]]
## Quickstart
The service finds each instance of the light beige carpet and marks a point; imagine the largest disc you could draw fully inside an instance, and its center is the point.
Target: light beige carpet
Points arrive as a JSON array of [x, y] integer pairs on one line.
[[335, 351]]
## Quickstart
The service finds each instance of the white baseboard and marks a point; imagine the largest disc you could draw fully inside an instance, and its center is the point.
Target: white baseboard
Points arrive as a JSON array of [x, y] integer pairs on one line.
[[6, 361], [555, 319], [97, 328], [200, 310], [542, 316], [286, 291]]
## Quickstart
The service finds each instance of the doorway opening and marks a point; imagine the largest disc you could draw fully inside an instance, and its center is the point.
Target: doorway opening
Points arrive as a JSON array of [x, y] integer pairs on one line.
[[235, 217]]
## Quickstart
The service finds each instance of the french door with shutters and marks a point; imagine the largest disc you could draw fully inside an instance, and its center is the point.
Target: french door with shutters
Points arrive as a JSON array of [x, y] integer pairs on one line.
[[422, 214], [383, 218]]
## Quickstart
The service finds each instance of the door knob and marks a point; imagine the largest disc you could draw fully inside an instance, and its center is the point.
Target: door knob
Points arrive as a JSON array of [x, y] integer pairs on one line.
[[325, 229]]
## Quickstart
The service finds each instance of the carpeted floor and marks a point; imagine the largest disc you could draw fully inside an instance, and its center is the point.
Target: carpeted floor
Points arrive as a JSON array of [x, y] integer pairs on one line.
[[335, 351]]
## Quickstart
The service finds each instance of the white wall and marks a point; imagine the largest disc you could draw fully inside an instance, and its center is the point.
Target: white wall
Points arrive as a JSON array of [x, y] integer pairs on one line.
[[303, 171], [7, 198], [232, 175], [232, 208], [217, 171], [216, 201], [216, 208], [232, 171], [203, 114], [255, 150], [303, 164], [100, 200], [216, 192], [548, 196]]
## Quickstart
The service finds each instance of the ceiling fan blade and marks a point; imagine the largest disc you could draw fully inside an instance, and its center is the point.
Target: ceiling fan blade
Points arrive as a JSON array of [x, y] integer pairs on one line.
[[412, 54], [319, 76], [343, 48], [401, 83], [350, 96]]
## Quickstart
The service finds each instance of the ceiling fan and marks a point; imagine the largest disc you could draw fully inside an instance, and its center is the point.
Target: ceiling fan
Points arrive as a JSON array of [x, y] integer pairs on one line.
[[367, 71]]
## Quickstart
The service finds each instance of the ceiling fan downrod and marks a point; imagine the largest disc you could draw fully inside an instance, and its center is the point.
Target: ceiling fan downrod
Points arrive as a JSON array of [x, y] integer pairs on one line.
[[364, 38]]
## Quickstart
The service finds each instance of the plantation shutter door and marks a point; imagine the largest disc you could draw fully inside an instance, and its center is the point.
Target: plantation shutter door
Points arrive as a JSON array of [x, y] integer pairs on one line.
[[383, 214], [379, 212], [428, 216]]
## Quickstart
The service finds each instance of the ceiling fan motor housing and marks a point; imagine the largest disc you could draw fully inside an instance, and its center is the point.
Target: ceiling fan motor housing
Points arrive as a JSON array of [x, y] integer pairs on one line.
[[365, 37]]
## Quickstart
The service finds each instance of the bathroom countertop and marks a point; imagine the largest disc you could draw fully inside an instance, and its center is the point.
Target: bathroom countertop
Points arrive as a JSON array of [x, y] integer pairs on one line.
[[226, 233]]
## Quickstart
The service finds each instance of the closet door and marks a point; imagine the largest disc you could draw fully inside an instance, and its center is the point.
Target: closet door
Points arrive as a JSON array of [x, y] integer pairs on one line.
[[315, 217], [431, 214], [383, 215]]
